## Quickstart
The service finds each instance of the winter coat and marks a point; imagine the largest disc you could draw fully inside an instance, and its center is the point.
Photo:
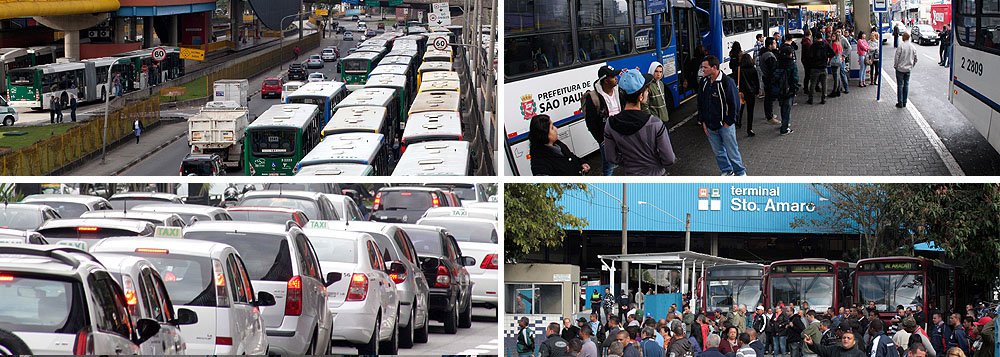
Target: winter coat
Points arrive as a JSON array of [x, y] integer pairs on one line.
[[780, 325], [639, 142], [838, 351], [749, 83], [554, 346], [718, 102], [988, 338], [596, 114], [813, 329], [554, 160]]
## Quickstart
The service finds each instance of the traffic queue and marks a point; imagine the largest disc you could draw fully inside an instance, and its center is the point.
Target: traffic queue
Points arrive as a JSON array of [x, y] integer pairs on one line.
[[263, 269]]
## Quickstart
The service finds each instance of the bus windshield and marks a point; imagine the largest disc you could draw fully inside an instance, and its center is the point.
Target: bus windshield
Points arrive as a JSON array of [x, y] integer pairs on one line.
[[22, 77], [891, 290], [723, 294], [273, 142], [817, 290], [356, 66]]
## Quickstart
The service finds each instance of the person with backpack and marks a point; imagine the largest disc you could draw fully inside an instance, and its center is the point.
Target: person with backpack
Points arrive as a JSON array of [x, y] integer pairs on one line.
[[718, 106], [819, 59], [768, 62], [525, 338], [633, 139], [749, 85], [784, 85], [600, 103]]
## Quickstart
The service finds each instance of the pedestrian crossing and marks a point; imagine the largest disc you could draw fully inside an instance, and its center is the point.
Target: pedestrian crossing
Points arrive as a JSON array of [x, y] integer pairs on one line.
[[489, 348]]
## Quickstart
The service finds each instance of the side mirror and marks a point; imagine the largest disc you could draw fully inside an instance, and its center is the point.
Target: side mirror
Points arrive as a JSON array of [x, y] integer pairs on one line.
[[396, 267], [468, 261], [264, 299], [146, 329], [193, 221], [333, 277], [185, 317]]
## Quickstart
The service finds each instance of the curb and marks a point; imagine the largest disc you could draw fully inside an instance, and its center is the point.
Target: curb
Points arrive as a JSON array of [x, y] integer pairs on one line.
[[151, 152]]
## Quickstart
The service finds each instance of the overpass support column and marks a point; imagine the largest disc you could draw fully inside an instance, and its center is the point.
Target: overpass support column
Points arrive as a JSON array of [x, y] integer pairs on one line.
[[714, 238], [235, 19], [71, 44], [132, 28], [174, 29], [842, 10], [862, 15], [147, 32], [118, 32]]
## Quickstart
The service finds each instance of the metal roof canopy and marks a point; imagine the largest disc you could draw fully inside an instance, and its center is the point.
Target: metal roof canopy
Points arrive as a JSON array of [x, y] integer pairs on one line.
[[686, 260]]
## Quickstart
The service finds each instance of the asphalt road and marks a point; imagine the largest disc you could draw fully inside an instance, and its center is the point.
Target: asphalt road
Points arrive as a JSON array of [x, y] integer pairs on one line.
[[478, 340]]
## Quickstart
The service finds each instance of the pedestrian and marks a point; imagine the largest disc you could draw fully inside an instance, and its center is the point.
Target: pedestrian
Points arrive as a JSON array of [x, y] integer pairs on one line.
[[72, 108], [745, 349], [631, 347], [784, 85], [795, 328], [955, 352], [637, 141], [525, 338], [768, 62], [863, 61], [806, 58], [656, 104], [848, 346], [549, 156], [812, 330], [595, 304], [589, 348], [731, 343], [905, 60], [987, 336], [53, 102], [616, 349], [939, 333], [608, 301], [137, 129], [944, 50], [59, 109], [612, 329], [554, 345], [712, 343], [874, 47], [958, 338], [755, 342], [895, 36], [757, 47], [600, 103], [680, 345], [692, 68], [780, 332], [648, 343], [748, 82], [881, 345], [829, 334], [760, 324], [735, 52], [569, 330], [718, 105], [117, 83], [296, 50], [820, 54], [845, 44], [640, 299]]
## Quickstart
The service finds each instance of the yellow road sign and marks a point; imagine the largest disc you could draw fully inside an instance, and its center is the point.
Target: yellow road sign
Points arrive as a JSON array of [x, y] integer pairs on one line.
[[322, 12], [192, 54]]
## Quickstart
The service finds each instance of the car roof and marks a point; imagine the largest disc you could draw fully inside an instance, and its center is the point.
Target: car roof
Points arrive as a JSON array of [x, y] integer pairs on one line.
[[173, 245], [272, 77], [264, 209], [242, 227], [177, 207], [33, 206], [161, 195], [470, 212], [460, 219], [46, 259], [118, 262], [63, 197], [282, 193], [365, 226], [132, 225], [128, 214], [7, 233], [408, 226], [313, 233]]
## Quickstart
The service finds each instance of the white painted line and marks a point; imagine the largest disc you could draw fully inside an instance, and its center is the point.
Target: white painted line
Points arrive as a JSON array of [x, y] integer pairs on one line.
[[949, 161], [678, 125], [931, 58]]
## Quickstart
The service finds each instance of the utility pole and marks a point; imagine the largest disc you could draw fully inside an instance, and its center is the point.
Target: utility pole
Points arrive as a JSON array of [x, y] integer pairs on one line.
[[624, 237], [687, 233]]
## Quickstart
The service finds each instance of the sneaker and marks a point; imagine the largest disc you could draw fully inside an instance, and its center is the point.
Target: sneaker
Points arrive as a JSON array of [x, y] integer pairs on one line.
[[833, 95], [774, 121], [751, 133], [788, 132], [899, 105], [726, 174]]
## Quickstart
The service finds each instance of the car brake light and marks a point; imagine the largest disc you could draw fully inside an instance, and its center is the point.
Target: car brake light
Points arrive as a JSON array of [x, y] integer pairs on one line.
[[402, 150], [152, 250], [434, 200], [377, 202], [293, 297], [490, 262], [398, 278], [87, 229], [225, 341], [221, 294], [84, 344], [443, 277], [358, 290], [130, 297], [6, 278]]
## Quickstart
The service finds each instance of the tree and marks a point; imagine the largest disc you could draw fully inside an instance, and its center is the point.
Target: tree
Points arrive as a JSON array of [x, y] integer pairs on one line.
[[856, 208], [533, 217]]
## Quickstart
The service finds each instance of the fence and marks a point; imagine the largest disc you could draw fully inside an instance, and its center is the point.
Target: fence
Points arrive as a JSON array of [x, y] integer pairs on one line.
[[50, 154]]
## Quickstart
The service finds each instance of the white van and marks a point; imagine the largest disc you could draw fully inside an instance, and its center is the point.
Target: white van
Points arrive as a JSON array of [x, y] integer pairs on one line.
[[8, 115]]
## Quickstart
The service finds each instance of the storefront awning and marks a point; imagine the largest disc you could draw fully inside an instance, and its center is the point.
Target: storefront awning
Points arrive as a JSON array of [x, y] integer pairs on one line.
[[31, 8]]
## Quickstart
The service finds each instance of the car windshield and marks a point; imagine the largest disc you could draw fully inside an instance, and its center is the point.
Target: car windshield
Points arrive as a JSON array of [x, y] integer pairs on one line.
[[426, 242], [314, 57], [34, 303], [465, 231], [20, 218], [309, 207], [266, 255], [404, 200], [336, 250], [67, 209], [188, 278]]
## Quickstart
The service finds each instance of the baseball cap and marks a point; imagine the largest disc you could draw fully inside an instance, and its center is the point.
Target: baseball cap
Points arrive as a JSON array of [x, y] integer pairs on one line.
[[606, 71], [982, 321], [632, 81], [760, 307]]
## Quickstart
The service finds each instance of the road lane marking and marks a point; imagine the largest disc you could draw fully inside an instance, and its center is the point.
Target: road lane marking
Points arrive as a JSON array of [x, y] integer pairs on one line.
[[949, 161]]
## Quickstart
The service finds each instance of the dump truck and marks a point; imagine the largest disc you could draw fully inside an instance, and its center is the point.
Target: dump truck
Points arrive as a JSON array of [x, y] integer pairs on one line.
[[218, 129]]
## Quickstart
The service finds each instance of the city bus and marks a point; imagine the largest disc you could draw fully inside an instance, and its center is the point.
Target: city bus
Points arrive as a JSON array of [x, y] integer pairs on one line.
[[450, 85], [34, 87], [435, 55], [45, 54], [361, 119], [820, 282], [431, 126], [975, 51], [435, 158], [142, 63], [336, 170], [553, 51], [12, 58], [379, 97], [351, 148], [279, 138], [732, 284], [428, 67], [400, 85], [435, 102], [356, 67], [906, 281], [326, 95], [409, 61]]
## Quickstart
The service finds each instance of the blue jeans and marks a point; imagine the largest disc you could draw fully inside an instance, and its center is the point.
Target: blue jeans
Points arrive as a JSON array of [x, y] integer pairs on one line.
[[947, 56], [843, 77], [780, 345], [786, 113], [609, 168], [768, 107], [795, 349], [861, 71], [903, 82], [727, 153]]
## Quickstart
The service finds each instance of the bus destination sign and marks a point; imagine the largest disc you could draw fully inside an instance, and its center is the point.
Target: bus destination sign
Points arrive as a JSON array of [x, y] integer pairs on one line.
[[890, 266], [802, 268]]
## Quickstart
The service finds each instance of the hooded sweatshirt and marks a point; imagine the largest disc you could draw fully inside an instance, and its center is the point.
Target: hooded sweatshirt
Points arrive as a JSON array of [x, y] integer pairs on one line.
[[657, 103], [639, 142]]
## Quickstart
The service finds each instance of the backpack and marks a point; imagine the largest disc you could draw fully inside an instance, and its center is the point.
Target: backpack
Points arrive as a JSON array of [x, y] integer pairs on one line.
[[590, 93], [782, 85]]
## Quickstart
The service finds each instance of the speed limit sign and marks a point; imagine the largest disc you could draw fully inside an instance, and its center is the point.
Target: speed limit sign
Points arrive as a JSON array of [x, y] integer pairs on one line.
[[159, 54], [440, 43]]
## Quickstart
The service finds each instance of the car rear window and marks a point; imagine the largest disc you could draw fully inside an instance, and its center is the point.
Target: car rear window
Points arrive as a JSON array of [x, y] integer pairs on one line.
[[309, 207], [335, 249], [121, 203], [271, 82], [199, 167], [312, 187], [188, 278], [404, 200], [20, 218], [67, 209], [465, 231], [264, 216], [38, 303], [426, 242], [84, 232], [266, 256]]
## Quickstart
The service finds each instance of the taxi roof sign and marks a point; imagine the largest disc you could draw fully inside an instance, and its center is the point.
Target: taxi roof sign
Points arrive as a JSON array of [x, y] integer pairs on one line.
[[316, 224], [459, 212], [11, 241], [168, 232], [81, 245]]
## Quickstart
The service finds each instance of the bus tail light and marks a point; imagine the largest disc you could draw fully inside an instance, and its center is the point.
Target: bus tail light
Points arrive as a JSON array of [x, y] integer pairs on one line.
[[358, 290], [377, 202], [293, 297], [443, 279], [219, 275]]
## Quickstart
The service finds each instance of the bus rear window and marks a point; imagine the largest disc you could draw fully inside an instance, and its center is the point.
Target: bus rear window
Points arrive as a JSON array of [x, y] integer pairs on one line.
[[356, 66], [21, 78], [272, 142]]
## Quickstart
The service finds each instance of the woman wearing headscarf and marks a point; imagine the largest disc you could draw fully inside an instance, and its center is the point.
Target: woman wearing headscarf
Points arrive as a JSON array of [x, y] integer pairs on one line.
[[657, 102]]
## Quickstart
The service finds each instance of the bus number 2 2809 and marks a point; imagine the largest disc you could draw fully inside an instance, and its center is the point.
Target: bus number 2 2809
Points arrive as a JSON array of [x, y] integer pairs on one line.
[[972, 66]]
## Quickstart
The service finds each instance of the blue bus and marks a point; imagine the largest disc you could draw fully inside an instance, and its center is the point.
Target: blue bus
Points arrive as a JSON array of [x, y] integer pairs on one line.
[[553, 50], [326, 95]]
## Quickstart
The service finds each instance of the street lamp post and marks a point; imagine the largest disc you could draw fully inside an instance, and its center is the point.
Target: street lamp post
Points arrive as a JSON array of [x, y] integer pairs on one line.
[[687, 223], [107, 101], [281, 30]]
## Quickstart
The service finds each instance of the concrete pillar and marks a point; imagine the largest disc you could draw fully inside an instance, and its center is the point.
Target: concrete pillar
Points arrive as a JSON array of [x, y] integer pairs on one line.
[[175, 24], [235, 19], [862, 15], [71, 45], [842, 10], [147, 32], [118, 32], [132, 28], [714, 238]]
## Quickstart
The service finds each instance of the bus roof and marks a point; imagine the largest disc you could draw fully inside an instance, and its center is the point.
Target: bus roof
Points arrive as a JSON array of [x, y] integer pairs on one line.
[[438, 53], [413, 36], [433, 66], [434, 158], [383, 68], [286, 115], [360, 55], [394, 81], [55, 67], [432, 125], [336, 170], [373, 49], [440, 76], [355, 119], [8, 54], [347, 148], [440, 85], [375, 41], [367, 96], [326, 89], [397, 59], [435, 101]]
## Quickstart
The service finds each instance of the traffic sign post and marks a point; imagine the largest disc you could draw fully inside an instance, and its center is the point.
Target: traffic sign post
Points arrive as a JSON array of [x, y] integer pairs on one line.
[[192, 54], [159, 54], [440, 14], [440, 43]]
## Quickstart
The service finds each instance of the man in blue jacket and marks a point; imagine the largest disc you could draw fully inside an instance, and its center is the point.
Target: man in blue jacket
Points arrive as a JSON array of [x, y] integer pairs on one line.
[[718, 105], [882, 345]]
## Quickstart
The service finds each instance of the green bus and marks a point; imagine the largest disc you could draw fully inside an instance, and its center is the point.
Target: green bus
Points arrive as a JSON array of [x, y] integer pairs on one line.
[[276, 141], [403, 92], [33, 87], [356, 67]]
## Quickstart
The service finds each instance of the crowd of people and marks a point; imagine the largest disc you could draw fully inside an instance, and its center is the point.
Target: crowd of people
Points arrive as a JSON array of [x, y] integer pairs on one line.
[[626, 112], [786, 330]]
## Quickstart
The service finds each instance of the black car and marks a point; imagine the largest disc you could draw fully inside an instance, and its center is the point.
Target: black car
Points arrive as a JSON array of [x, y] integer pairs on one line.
[[340, 30], [297, 72], [450, 296], [924, 34], [202, 165], [406, 204]]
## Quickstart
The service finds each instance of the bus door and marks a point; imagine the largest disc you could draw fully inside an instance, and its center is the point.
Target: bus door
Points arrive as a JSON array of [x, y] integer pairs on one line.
[[686, 30]]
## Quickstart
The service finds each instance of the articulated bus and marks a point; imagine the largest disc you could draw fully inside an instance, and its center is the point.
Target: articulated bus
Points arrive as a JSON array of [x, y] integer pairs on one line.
[[975, 51], [279, 138], [326, 95], [820, 282], [34, 87], [356, 67], [906, 281], [732, 284], [554, 49], [12, 58], [142, 63]]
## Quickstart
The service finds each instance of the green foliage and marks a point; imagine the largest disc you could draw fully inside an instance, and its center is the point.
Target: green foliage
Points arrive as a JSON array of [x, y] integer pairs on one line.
[[533, 218]]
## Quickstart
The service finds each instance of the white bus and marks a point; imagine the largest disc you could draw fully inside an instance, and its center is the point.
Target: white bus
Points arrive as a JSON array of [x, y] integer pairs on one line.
[[976, 51]]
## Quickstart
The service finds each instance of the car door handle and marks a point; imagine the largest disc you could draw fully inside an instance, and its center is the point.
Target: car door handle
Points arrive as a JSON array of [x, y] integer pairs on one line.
[[118, 350]]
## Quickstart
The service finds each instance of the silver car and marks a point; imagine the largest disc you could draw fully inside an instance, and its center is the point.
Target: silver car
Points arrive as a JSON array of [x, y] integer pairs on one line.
[[70, 206], [24, 216]]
